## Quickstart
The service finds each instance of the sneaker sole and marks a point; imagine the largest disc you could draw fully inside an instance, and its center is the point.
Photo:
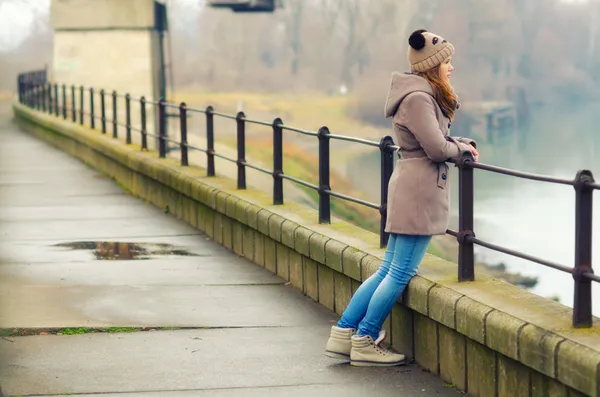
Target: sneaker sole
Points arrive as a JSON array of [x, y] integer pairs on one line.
[[357, 363], [338, 356]]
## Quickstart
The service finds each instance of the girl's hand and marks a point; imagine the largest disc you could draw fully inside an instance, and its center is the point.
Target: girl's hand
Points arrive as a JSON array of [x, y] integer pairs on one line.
[[475, 153]]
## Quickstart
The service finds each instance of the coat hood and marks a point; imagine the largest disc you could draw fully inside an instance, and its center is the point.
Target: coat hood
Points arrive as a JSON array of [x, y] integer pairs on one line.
[[403, 84]]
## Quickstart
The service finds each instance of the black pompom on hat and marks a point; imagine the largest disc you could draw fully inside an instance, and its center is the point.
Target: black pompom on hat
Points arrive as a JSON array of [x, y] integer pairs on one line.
[[427, 50]]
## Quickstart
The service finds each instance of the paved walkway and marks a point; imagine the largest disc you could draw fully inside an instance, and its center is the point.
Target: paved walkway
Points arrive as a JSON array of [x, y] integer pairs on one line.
[[243, 331]]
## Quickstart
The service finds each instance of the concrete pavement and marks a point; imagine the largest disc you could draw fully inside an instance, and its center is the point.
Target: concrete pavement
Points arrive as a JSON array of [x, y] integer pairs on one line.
[[77, 252]]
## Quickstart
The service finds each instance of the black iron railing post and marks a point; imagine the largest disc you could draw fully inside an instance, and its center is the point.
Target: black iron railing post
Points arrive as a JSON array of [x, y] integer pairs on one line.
[[387, 167], [144, 127], [103, 110], [277, 162], [20, 88], [81, 104], [73, 106], [114, 115], [241, 149], [49, 93], [44, 97], [162, 117], [582, 301], [64, 101], [183, 131], [128, 118], [92, 114], [36, 97], [466, 251], [56, 100], [324, 173], [210, 141]]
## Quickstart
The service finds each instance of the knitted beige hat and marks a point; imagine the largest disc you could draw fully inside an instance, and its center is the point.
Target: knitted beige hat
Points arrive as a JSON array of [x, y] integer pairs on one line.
[[427, 50]]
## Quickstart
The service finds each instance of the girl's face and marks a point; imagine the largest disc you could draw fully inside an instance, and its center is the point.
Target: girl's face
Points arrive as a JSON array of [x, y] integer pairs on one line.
[[446, 69]]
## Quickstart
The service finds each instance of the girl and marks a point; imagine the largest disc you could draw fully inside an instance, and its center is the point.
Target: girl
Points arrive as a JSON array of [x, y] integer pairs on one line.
[[422, 104]]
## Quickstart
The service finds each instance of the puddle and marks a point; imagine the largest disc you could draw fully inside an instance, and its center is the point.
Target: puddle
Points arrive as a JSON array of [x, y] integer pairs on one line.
[[115, 251]]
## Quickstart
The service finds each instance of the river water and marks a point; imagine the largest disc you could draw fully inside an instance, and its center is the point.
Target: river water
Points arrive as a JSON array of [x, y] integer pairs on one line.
[[536, 217]]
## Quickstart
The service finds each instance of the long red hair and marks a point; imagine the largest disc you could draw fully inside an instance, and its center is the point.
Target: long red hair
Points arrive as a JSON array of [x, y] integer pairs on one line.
[[442, 90]]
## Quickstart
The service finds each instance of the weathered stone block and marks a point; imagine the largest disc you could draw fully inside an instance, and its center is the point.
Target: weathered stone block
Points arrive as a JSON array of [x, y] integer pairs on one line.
[[241, 208], [212, 198], [481, 370], [275, 222], [351, 263], [470, 318], [537, 347], [238, 240], [270, 255], [326, 286], [263, 221], [231, 206], [369, 266], [417, 294], [442, 305], [453, 357], [283, 261], [218, 227], [575, 393], [311, 280], [259, 248], [227, 232], [192, 215], [210, 223], [333, 254], [287, 233], [302, 240], [502, 333], [513, 378], [248, 242], [222, 201], [343, 291], [402, 330], [204, 193], [543, 386], [296, 273], [252, 214], [426, 343], [317, 247], [577, 367]]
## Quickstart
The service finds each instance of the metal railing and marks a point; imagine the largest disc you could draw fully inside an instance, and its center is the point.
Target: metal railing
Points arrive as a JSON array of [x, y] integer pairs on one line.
[[36, 93]]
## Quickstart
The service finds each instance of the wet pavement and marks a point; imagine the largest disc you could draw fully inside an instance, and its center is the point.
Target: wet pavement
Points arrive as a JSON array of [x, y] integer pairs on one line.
[[77, 252]]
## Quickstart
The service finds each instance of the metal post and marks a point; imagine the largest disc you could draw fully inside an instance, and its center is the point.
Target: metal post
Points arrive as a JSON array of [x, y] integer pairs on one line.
[[582, 301], [466, 251], [183, 125], [387, 167], [92, 115], [210, 141], [324, 172], [162, 143], [64, 101], [114, 118], [20, 87], [103, 110], [241, 149], [144, 131], [73, 106], [56, 99], [128, 119], [81, 104], [44, 97], [277, 162], [50, 103]]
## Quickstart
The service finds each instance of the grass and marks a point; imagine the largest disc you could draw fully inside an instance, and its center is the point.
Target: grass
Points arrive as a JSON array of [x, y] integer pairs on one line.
[[7, 332]]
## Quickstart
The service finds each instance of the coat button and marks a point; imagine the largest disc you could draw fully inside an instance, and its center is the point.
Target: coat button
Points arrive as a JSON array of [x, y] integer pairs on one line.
[[449, 124], [444, 176]]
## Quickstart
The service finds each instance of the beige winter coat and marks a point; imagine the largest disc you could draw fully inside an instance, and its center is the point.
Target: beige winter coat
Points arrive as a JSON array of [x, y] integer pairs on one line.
[[418, 197]]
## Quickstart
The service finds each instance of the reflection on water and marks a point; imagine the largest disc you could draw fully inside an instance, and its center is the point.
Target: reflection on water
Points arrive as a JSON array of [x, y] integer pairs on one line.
[[110, 251]]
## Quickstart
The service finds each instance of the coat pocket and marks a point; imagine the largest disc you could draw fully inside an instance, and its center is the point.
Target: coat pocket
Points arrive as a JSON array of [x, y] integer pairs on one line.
[[442, 175]]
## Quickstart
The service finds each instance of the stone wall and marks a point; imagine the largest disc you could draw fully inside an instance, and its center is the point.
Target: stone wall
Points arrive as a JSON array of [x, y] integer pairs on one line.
[[486, 337]]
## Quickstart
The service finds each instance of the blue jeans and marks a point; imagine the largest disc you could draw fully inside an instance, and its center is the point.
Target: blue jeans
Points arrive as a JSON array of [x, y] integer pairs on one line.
[[375, 298]]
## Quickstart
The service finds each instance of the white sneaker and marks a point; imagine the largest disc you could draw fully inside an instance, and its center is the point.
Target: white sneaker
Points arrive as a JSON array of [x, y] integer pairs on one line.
[[368, 353], [339, 343]]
